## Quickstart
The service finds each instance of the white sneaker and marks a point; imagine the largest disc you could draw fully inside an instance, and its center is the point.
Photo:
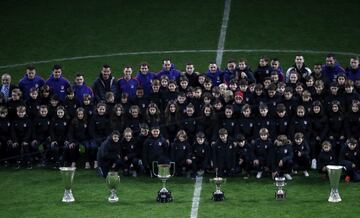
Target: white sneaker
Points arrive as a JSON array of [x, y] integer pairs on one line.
[[313, 164], [73, 164], [95, 164], [306, 174], [259, 175], [287, 176], [295, 172], [87, 165], [134, 173]]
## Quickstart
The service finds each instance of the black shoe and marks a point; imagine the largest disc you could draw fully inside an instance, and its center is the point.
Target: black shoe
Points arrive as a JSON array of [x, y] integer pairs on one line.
[[29, 166]]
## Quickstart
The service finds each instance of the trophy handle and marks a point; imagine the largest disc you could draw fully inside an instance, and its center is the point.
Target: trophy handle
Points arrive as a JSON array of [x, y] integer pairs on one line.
[[153, 168], [173, 166]]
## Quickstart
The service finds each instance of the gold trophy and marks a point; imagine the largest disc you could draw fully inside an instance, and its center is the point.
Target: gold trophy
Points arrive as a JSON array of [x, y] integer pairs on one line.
[[164, 195], [67, 174], [113, 182]]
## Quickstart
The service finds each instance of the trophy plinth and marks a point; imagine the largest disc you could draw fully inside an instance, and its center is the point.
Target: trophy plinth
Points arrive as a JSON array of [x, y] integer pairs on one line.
[[67, 174], [218, 195], [280, 194], [113, 181], [334, 173], [164, 195]]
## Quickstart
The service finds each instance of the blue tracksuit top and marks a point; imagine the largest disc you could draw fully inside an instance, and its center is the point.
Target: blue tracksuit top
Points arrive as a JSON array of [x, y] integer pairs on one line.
[[172, 74], [145, 81], [80, 91], [216, 78], [128, 86], [352, 74], [58, 86], [26, 84], [332, 72]]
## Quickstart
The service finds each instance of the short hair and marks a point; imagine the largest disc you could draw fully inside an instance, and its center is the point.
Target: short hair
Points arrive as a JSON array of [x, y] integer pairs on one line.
[[263, 131], [223, 131], [57, 67], [30, 67], [106, 66]]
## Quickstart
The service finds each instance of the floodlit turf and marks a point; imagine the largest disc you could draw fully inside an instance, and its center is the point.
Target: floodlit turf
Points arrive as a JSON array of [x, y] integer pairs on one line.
[[43, 30], [38, 193]]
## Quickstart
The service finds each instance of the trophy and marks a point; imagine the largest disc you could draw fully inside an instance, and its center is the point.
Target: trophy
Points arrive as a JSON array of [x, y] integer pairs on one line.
[[113, 181], [280, 184], [218, 195], [67, 174], [334, 173], [164, 195]]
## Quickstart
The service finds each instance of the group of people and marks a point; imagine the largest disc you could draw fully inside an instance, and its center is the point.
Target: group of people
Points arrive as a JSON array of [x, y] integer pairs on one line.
[[266, 121]]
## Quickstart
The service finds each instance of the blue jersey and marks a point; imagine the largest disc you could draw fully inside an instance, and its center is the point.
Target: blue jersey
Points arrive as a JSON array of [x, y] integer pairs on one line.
[[128, 86], [26, 84], [58, 86]]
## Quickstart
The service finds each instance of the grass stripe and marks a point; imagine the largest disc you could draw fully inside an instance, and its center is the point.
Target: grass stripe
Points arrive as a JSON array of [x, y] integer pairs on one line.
[[224, 25]]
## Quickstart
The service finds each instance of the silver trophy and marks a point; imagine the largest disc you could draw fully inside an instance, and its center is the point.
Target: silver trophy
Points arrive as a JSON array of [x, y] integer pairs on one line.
[[218, 195], [280, 194], [113, 182], [67, 174], [164, 195], [334, 173]]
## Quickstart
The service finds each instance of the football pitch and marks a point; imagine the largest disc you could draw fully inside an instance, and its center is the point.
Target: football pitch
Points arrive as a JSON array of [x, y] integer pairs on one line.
[[83, 35]]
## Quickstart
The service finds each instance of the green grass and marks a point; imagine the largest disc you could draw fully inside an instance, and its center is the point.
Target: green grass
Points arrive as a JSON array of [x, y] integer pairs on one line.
[[36, 30], [38, 193]]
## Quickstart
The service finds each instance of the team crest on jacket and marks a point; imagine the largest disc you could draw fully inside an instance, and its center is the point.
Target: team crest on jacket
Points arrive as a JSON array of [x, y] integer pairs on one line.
[[25, 125], [159, 143], [184, 147], [285, 151], [132, 146], [36, 85], [62, 87]]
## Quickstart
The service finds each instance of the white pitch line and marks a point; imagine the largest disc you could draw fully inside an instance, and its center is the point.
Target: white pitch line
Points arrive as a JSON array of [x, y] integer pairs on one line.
[[180, 51], [224, 25], [196, 197]]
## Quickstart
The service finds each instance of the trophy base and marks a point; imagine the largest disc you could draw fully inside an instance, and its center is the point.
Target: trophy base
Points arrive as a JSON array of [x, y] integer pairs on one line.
[[164, 196], [68, 197], [280, 196], [334, 197], [218, 196], [113, 198]]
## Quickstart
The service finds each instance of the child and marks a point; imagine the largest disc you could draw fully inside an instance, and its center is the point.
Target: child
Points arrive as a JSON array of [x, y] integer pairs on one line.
[[134, 121], [130, 150], [117, 118], [282, 120], [301, 157], [326, 157], [265, 120], [352, 121], [110, 101], [300, 123], [79, 134], [98, 128], [229, 121], [181, 154], [155, 149], [172, 121], [318, 130], [21, 136], [190, 122], [350, 159], [33, 103], [244, 155], [58, 133], [109, 154], [5, 135], [261, 147], [153, 114], [281, 156], [88, 105], [223, 154], [246, 123], [200, 154], [41, 131], [70, 102], [336, 125], [208, 124]]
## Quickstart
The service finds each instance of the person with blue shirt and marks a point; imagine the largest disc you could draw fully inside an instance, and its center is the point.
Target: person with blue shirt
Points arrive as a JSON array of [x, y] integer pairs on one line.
[[57, 83], [169, 70], [127, 84], [81, 89], [331, 68], [215, 74], [353, 71], [144, 77], [30, 80]]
